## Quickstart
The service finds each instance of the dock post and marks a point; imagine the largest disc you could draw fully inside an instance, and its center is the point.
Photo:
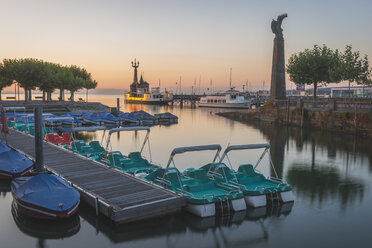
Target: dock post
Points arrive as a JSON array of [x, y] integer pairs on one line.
[[118, 105], [39, 154]]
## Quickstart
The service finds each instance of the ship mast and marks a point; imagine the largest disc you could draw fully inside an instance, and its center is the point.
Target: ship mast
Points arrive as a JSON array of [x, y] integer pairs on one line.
[[230, 77]]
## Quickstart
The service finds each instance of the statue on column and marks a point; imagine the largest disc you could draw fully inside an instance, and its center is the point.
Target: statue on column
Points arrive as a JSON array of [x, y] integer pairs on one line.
[[278, 89], [276, 26]]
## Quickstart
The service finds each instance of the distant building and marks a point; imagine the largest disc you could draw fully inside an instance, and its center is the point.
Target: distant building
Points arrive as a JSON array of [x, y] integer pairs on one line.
[[335, 92]]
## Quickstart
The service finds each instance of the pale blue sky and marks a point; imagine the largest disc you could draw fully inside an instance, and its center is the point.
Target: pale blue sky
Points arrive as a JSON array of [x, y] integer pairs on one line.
[[172, 38]]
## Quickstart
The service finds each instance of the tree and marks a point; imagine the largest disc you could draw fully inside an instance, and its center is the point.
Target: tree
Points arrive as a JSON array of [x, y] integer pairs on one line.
[[353, 68], [4, 81], [47, 83], [81, 78], [27, 72], [315, 66]]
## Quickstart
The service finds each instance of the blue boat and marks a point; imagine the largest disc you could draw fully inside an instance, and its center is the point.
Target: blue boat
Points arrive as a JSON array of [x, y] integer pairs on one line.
[[146, 118], [91, 118], [129, 118], [69, 122], [45, 196], [108, 118], [12, 163]]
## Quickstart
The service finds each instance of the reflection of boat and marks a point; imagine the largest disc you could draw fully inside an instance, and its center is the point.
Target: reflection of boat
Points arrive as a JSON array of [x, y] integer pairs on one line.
[[230, 99], [13, 163], [45, 196], [140, 93], [204, 196], [46, 229], [258, 190], [185, 224]]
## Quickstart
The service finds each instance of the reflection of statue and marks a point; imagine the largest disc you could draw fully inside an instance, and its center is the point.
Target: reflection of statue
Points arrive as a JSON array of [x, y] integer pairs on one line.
[[276, 26]]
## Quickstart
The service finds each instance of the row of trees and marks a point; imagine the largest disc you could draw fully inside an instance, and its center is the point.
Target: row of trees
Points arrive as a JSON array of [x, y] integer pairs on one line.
[[47, 77], [322, 65]]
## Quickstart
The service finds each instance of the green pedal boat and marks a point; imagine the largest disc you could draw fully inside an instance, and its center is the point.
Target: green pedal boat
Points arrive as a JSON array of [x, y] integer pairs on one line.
[[204, 195], [134, 163], [93, 149], [258, 190]]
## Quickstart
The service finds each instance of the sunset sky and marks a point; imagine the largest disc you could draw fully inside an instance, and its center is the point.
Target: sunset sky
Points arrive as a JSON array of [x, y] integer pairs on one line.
[[192, 39]]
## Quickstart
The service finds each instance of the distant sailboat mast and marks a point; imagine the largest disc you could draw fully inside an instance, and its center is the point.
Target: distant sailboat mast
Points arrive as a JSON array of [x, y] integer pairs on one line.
[[230, 77]]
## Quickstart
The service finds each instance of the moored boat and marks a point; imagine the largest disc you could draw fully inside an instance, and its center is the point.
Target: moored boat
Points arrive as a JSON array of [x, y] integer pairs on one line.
[[140, 92], [134, 163], [13, 163], [204, 195], [45, 196], [258, 190], [230, 99]]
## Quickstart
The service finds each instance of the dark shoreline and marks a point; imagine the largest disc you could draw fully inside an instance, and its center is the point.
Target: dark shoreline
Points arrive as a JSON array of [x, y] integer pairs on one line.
[[341, 122]]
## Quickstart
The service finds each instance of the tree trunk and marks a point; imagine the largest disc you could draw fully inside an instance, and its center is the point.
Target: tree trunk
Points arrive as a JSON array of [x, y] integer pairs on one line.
[[72, 96], [26, 94], [43, 95], [29, 95], [61, 95], [49, 96], [0, 96], [315, 89]]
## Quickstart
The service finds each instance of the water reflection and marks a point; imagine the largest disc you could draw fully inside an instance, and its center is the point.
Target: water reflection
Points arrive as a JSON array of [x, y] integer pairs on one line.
[[323, 183], [45, 229], [175, 228]]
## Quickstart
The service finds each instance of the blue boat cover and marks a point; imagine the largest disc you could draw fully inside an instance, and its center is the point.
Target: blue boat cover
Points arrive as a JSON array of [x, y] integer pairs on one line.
[[4, 147], [69, 121], [144, 115], [91, 117], [12, 161], [128, 116], [107, 116], [45, 190]]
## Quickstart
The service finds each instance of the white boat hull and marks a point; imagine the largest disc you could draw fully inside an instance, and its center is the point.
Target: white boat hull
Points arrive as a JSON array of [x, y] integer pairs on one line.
[[204, 210], [255, 200], [226, 105], [287, 196], [238, 204]]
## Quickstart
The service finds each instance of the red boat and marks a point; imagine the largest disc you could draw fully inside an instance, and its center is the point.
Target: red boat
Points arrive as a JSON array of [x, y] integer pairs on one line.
[[56, 139]]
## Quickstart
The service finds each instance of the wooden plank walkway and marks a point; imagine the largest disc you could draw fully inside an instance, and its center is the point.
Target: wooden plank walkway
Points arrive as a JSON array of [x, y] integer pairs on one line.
[[119, 196]]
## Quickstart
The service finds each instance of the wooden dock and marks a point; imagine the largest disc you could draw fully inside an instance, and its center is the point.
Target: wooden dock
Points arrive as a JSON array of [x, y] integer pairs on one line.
[[119, 196]]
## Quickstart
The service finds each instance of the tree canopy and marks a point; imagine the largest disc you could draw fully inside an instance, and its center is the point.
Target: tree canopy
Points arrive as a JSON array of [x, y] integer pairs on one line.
[[353, 68], [314, 66], [322, 65], [47, 77]]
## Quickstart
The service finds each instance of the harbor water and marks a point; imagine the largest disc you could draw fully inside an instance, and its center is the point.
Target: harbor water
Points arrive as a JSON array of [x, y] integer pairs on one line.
[[331, 176]]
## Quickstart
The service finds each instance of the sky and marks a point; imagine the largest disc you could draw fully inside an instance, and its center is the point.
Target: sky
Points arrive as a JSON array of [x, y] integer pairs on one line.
[[198, 40]]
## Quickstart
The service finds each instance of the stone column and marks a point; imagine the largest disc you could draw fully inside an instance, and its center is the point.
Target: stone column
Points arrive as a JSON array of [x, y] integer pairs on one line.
[[278, 89]]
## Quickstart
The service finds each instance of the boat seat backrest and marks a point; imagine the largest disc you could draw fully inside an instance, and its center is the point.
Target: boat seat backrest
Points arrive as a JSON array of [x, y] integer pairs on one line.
[[174, 178], [247, 169], [225, 172], [94, 143], [200, 175], [67, 137], [114, 158], [135, 156]]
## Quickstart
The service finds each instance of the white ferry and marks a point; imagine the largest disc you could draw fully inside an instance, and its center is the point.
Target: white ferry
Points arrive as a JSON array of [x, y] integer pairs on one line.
[[227, 100]]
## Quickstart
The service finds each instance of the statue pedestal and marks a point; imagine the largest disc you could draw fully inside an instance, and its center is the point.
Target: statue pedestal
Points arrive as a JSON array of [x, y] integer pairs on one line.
[[278, 89]]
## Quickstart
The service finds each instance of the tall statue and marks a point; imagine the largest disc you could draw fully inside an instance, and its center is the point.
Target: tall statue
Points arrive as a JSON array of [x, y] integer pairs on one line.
[[278, 89], [276, 26], [135, 65]]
